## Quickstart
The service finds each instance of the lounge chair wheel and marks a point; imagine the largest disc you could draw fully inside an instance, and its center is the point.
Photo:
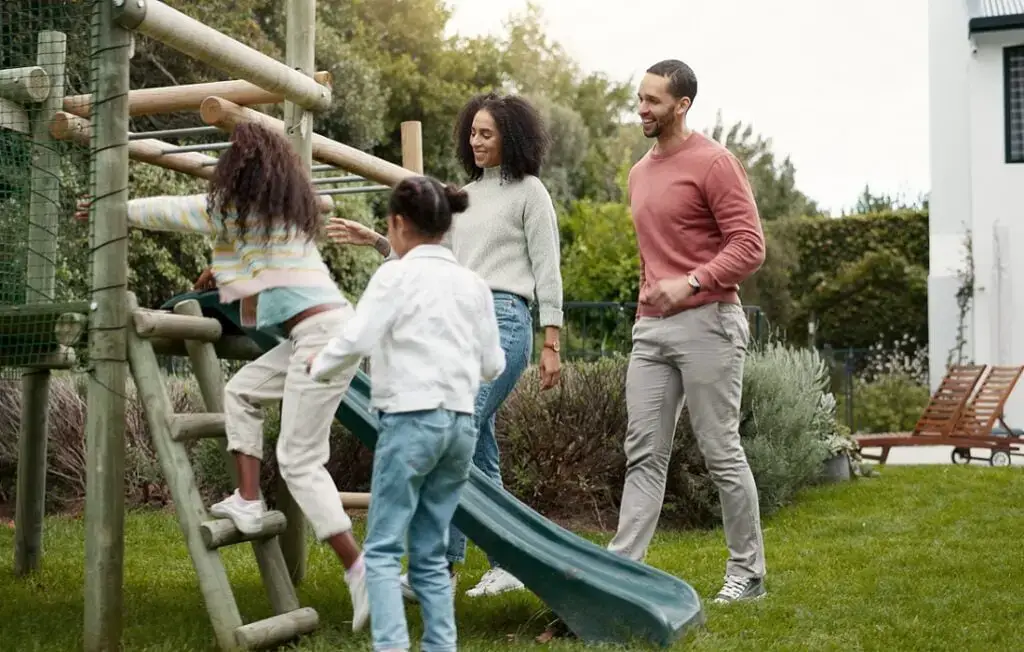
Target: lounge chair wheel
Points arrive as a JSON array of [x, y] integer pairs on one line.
[[999, 458], [961, 455]]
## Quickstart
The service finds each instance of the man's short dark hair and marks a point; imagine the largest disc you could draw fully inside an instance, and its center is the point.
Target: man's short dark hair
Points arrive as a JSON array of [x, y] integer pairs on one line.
[[682, 82]]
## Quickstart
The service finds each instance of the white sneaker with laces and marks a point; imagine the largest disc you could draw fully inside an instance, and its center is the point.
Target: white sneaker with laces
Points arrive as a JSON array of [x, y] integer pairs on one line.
[[495, 582], [247, 515], [408, 593], [355, 577]]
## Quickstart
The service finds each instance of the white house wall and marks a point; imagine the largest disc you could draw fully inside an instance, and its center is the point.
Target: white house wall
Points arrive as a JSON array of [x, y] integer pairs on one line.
[[949, 59], [996, 208]]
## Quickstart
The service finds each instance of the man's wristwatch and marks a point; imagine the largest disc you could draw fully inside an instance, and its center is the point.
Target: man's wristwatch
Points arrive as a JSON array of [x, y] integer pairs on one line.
[[555, 346], [694, 283]]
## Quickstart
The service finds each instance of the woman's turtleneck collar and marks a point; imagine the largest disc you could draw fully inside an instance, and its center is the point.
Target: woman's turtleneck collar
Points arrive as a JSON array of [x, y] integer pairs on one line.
[[492, 173]]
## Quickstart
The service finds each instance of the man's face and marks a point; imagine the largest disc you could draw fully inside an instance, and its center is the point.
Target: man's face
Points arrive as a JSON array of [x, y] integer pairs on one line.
[[658, 110]]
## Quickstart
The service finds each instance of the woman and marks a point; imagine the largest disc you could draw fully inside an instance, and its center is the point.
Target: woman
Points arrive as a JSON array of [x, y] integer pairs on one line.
[[264, 214], [508, 236]]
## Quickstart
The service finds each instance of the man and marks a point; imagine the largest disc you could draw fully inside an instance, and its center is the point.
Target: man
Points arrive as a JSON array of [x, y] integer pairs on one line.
[[699, 236]]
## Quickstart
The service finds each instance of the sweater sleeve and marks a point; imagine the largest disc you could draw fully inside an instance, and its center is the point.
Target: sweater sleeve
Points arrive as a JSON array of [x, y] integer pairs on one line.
[[184, 214], [732, 204], [540, 224]]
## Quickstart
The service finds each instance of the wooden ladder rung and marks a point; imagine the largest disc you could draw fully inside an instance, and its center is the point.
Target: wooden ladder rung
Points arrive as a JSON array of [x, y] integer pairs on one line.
[[221, 532], [160, 323], [273, 631], [202, 425]]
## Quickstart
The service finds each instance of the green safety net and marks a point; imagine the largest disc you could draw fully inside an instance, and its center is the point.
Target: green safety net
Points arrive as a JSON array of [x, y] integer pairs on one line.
[[45, 58]]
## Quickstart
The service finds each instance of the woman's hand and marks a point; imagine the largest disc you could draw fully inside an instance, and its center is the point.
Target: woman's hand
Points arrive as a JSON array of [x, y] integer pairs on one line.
[[550, 368], [206, 281], [344, 231]]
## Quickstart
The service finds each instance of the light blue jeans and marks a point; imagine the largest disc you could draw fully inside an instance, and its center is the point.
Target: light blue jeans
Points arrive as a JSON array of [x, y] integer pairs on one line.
[[420, 465], [515, 327]]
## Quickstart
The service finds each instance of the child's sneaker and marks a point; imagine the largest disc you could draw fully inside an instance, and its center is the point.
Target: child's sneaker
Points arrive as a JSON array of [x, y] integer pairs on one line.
[[740, 588], [355, 577], [247, 515], [408, 593], [495, 582]]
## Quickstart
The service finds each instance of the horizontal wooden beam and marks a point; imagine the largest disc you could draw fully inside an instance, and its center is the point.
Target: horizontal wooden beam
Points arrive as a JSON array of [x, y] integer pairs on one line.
[[221, 532], [158, 323], [228, 347], [352, 500], [202, 425], [188, 97], [226, 115], [70, 127], [273, 631], [203, 43], [24, 85], [13, 116]]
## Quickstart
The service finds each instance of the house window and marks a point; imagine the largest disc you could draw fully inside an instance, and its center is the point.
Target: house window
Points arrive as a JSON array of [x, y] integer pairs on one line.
[[1013, 77]]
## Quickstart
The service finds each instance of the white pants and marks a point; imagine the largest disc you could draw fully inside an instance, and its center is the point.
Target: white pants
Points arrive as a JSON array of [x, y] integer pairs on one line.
[[307, 411]]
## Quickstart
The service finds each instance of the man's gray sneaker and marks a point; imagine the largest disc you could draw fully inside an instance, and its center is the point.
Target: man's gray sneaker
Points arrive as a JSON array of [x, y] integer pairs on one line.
[[740, 588]]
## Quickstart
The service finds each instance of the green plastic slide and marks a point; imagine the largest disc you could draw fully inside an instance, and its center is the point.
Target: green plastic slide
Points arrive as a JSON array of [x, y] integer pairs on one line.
[[600, 596]]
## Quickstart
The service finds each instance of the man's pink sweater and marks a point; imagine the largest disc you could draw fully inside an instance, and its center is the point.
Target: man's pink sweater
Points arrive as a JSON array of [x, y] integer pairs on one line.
[[694, 212]]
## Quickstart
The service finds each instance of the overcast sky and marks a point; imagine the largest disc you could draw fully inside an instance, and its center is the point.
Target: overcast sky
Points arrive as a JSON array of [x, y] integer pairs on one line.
[[841, 87]]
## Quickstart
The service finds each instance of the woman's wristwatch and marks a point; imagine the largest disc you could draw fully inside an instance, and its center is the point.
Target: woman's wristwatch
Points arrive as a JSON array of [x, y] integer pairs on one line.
[[382, 246]]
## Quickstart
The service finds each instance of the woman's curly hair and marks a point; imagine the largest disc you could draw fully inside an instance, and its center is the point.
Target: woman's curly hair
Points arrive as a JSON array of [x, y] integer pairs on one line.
[[524, 138], [262, 180]]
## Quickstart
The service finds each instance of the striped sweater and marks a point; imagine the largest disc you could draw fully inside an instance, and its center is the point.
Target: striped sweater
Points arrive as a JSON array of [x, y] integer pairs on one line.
[[241, 269]]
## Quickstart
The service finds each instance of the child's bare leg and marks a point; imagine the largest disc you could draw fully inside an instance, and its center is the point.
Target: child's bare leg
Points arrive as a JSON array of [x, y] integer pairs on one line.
[[248, 476], [345, 546]]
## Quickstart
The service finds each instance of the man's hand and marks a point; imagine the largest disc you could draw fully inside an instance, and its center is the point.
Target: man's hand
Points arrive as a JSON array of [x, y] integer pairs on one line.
[[669, 294], [206, 281], [344, 231]]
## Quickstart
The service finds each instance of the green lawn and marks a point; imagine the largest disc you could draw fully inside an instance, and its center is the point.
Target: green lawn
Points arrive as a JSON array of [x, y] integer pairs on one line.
[[923, 558]]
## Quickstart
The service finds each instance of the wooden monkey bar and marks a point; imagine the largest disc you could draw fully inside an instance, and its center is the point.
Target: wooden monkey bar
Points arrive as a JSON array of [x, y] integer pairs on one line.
[[226, 115], [188, 97]]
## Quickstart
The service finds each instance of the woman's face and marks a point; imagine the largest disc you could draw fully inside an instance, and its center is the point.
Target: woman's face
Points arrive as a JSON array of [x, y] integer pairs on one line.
[[485, 140]]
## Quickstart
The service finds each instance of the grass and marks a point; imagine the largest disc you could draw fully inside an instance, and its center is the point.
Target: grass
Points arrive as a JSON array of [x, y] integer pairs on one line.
[[925, 558]]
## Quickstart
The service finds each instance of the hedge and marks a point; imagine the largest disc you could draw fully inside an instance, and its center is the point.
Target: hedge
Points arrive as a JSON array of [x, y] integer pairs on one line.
[[863, 278]]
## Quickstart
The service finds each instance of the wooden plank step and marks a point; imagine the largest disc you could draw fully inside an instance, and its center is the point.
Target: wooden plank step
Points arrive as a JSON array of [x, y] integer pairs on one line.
[[273, 631], [201, 425], [221, 532]]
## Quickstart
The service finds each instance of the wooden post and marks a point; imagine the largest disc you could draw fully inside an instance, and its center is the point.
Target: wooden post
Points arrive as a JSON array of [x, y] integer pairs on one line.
[[300, 47], [44, 213], [105, 424], [203, 43], [412, 146]]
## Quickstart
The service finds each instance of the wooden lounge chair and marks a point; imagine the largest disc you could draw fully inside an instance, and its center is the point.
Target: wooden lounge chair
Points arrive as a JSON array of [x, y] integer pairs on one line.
[[935, 426], [981, 414]]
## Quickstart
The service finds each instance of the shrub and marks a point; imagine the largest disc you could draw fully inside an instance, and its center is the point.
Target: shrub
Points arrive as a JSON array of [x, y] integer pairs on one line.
[[891, 391], [562, 449], [349, 464]]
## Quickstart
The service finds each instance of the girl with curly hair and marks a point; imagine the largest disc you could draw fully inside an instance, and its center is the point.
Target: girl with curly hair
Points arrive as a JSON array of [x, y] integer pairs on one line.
[[264, 214], [508, 236]]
